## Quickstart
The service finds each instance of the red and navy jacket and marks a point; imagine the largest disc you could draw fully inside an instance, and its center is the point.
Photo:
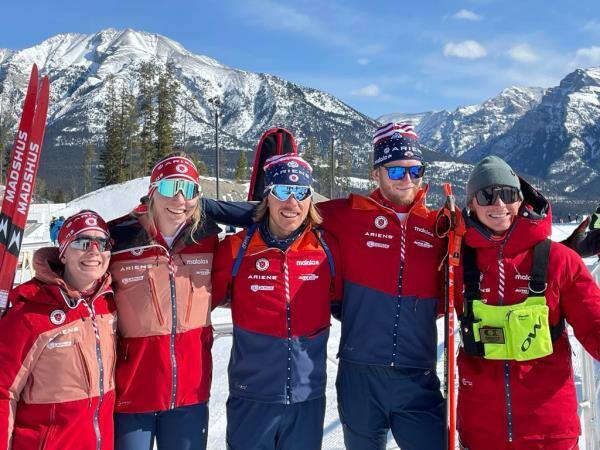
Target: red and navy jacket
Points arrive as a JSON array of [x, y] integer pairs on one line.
[[525, 401], [280, 304], [163, 297], [392, 281], [57, 363]]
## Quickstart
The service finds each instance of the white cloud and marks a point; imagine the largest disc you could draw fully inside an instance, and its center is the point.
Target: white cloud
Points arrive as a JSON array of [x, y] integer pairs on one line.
[[587, 57], [523, 53], [592, 26], [465, 14], [370, 90], [363, 61], [466, 49]]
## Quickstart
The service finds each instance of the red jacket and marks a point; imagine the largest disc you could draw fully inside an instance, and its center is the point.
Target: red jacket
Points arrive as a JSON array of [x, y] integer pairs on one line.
[[281, 315], [57, 357], [163, 298], [392, 281], [511, 401]]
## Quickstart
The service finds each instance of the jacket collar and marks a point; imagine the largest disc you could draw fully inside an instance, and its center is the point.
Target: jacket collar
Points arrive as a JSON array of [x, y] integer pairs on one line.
[[373, 202]]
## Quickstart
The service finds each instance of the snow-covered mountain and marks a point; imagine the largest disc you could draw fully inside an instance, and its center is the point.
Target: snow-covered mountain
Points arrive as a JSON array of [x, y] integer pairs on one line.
[[559, 138], [79, 66], [468, 127], [552, 134]]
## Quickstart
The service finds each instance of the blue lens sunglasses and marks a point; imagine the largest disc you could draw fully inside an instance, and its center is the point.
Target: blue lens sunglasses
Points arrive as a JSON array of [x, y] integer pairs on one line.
[[399, 172], [284, 191]]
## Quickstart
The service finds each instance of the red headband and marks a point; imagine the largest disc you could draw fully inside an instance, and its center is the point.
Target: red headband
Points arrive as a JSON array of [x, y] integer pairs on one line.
[[77, 224], [178, 167]]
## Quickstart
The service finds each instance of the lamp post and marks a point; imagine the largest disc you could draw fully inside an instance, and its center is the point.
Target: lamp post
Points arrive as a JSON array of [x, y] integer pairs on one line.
[[332, 184], [216, 102]]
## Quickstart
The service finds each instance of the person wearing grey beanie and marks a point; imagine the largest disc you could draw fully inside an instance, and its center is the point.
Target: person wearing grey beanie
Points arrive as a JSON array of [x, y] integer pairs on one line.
[[520, 290], [494, 194]]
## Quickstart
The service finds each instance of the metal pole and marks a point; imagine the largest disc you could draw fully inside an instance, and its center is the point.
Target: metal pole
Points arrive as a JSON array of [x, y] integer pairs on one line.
[[332, 184], [218, 160]]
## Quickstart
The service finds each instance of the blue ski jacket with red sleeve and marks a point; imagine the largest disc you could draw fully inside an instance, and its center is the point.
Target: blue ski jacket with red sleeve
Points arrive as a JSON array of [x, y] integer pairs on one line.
[[392, 281]]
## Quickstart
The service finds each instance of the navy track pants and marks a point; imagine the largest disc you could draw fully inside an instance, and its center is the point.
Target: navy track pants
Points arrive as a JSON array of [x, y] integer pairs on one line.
[[255, 425], [183, 428], [374, 399]]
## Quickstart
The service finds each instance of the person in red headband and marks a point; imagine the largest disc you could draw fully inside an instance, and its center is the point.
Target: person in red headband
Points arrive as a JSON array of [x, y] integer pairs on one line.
[[58, 346], [161, 265]]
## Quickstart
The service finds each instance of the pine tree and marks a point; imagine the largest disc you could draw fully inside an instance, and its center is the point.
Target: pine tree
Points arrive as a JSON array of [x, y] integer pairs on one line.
[[147, 93], [241, 168], [113, 159], [86, 168], [129, 131], [166, 101], [344, 170]]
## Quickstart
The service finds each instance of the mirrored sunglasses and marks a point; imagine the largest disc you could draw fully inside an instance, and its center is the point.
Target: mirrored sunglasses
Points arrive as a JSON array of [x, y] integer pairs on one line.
[[399, 172], [171, 187], [283, 192], [489, 195], [84, 242]]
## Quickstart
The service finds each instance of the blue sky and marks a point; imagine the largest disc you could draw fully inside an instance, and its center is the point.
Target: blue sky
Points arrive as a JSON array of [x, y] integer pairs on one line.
[[377, 56]]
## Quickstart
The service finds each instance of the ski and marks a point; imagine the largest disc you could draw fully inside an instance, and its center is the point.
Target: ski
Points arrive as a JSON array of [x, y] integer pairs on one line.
[[275, 141], [454, 231], [20, 180]]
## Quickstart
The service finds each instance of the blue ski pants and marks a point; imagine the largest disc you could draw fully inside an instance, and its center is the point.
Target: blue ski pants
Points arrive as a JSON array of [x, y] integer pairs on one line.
[[273, 426], [374, 399], [183, 428]]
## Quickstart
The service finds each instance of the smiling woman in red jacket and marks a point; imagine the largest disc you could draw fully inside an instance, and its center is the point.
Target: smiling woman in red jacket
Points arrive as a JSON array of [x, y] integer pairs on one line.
[[161, 266], [58, 346], [516, 388]]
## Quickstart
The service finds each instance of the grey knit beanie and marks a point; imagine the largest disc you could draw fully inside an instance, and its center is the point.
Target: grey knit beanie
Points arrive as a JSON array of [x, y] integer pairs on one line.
[[491, 171]]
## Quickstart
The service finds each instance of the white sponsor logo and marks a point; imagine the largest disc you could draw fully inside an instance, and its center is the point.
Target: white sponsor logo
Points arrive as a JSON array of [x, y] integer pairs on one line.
[[262, 277], [262, 264], [485, 290], [466, 382], [91, 221], [137, 251], [258, 287], [372, 244], [308, 262], [69, 330], [379, 235], [63, 344], [294, 178], [423, 244], [424, 231], [381, 222], [132, 279], [292, 164], [136, 267], [58, 317], [181, 168], [522, 291], [308, 277], [523, 277], [203, 272], [196, 261]]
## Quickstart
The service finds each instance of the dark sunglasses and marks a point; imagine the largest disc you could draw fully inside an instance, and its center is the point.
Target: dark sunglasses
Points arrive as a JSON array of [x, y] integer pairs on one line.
[[171, 187], [489, 195], [84, 242], [399, 172], [283, 192]]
